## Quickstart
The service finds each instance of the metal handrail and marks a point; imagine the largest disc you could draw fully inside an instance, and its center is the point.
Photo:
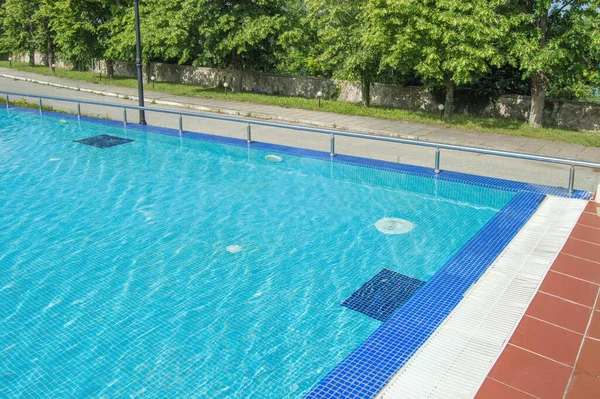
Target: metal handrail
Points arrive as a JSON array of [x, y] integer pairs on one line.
[[438, 146]]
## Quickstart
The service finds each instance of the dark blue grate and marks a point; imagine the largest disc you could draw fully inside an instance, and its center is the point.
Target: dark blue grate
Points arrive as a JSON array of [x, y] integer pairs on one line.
[[385, 293], [104, 141]]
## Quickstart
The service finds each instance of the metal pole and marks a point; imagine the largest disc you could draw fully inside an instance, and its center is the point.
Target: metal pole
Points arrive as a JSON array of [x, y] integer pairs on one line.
[[138, 61], [78, 111], [571, 179], [180, 124], [41, 108], [125, 116], [7, 101], [249, 134], [437, 160], [332, 146]]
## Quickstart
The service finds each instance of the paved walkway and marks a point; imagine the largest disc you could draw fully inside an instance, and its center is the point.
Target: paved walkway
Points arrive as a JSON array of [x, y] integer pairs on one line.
[[497, 167], [555, 351]]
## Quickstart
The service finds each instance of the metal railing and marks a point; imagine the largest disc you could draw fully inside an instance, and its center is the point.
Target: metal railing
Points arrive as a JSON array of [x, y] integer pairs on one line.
[[333, 133]]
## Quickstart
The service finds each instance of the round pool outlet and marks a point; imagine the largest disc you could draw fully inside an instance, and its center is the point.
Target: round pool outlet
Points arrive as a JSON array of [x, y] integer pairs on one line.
[[234, 249], [394, 226], [62, 121], [274, 158]]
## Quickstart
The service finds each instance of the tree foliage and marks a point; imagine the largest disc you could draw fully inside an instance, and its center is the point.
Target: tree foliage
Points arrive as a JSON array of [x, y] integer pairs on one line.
[[476, 45]]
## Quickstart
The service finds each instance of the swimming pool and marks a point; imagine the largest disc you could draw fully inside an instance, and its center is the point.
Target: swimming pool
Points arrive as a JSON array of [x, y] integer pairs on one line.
[[178, 267]]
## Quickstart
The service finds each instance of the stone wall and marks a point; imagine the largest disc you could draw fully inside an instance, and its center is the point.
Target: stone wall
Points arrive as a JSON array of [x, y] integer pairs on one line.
[[573, 115]]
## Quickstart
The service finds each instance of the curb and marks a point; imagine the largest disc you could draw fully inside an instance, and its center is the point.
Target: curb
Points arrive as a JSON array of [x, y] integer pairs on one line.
[[225, 111]]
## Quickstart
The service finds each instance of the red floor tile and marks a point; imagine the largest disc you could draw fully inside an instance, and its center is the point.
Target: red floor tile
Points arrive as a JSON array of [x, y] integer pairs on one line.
[[591, 207], [547, 340], [492, 389], [582, 249], [576, 267], [586, 233], [570, 288], [560, 312], [584, 386], [589, 359], [594, 330], [531, 373], [590, 219]]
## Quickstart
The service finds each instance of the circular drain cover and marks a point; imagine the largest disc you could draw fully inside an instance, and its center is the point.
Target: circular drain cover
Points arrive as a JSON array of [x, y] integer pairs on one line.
[[394, 226], [62, 121], [274, 158], [233, 249]]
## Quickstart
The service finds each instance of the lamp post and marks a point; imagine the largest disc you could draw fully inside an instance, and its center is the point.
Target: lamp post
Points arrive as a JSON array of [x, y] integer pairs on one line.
[[319, 95], [225, 85], [138, 61], [441, 108], [153, 79]]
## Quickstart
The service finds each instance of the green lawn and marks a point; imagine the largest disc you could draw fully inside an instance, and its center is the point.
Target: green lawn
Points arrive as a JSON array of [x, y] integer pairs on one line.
[[472, 123]]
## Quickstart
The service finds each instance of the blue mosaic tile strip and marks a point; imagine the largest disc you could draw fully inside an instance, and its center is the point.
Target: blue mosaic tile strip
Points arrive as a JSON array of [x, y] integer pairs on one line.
[[369, 367], [456, 177], [104, 141], [383, 295]]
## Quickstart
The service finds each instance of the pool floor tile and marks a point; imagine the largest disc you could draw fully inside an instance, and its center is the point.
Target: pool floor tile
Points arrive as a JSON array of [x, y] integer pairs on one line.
[[492, 389], [570, 288], [558, 311], [536, 375], [589, 359], [584, 386], [576, 267], [548, 340], [583, 249]]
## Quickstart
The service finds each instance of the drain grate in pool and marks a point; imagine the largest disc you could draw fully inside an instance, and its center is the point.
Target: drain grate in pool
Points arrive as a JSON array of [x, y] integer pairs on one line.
[[104, 141], [385, 293]]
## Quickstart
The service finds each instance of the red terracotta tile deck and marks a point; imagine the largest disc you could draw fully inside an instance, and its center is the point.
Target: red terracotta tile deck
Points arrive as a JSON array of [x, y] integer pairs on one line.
[[555, 350]]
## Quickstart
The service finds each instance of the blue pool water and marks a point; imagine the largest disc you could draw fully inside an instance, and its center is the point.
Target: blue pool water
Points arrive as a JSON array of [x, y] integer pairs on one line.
[[116, 281]]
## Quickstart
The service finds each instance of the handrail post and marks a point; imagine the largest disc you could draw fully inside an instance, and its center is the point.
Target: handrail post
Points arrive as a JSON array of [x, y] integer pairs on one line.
[[41, 107], [78, 111], [332, 146], [571, 179], [180, 124], [125, 116], [437, 161], [249, 134], [7, 101]]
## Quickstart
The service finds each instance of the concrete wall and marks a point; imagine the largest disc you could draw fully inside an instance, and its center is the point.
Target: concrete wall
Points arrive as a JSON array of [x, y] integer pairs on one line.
[[573, 115]]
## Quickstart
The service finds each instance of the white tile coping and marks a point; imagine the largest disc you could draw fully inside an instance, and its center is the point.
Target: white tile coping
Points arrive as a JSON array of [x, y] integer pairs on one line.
[[455, 360]]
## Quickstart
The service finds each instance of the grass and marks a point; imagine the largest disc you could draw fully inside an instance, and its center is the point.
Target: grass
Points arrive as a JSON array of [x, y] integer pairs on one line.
[[471, 123]]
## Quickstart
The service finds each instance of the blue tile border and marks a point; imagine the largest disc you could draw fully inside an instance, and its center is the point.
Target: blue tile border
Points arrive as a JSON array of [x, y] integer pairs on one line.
[[364, 372], [456, 177]]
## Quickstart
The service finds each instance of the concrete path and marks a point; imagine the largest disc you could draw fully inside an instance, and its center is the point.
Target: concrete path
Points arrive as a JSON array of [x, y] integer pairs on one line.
[[533, 172]]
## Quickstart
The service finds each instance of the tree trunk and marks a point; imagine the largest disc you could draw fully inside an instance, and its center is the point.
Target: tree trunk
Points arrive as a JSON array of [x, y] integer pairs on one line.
[[539, 86], [366, 91], [539, 81], [238, 72], [110, 69], [449, 105], [31, 57], [50, 55]]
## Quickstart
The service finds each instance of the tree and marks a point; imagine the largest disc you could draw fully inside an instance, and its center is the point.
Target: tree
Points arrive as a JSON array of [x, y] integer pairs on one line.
[[447, 42], [555, 43], [19, 29], [77, 27], [342, 47]]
